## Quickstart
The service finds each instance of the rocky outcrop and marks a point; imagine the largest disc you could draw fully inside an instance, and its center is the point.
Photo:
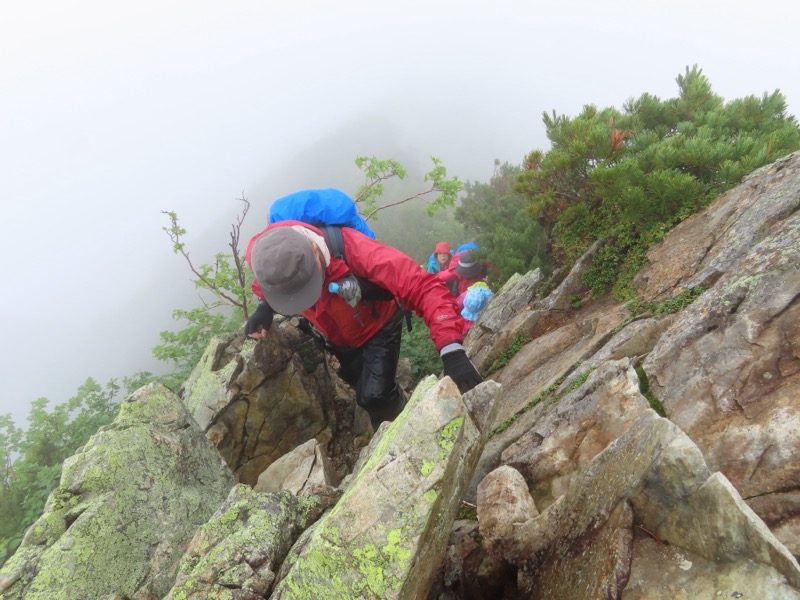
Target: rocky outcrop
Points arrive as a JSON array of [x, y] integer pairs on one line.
[[238, 551], [728, 374], [724, 369], [388, 534], [125, 510], [584, 544], [258, 401], [643, 450]]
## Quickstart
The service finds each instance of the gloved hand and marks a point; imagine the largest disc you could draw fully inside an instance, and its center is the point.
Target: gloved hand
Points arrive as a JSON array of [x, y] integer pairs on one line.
[[261, 318], [459, 368]]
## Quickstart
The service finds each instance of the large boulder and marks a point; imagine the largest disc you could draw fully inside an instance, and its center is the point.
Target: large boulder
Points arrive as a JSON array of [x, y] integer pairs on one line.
[[388, 534], [584, 544], [127, 506], [259, 400], [238, 551]]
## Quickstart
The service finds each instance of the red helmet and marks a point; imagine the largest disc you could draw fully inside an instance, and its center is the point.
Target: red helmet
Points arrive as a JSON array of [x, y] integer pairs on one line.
[[442, 247]]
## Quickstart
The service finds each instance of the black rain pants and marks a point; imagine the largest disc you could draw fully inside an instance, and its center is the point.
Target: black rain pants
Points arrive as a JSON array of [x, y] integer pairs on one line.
[[371, 370]]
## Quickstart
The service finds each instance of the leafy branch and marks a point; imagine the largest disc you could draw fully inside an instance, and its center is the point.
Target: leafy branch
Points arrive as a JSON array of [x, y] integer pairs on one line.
[[377, 171], [227, 282], [228, 277]]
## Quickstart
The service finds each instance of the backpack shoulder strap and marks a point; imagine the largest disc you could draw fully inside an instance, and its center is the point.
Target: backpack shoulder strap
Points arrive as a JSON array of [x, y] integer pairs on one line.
[[333, 237], [369, 290]]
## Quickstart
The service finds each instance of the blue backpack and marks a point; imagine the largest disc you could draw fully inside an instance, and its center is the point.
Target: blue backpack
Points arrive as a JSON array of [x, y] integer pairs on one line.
[[329, 210], [319, 207]]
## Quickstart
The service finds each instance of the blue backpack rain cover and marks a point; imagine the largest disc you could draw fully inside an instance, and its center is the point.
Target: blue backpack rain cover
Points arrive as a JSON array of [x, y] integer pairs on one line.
[[319, 207]]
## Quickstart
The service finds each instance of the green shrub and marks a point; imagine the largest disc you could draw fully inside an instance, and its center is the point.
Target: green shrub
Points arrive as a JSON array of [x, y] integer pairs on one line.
[[627, 176]]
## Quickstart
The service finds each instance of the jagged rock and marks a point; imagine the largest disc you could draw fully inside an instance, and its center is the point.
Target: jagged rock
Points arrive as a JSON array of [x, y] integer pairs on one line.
[[126, 507], [632, 505], [297, 471], [258, 400], [388, 534], [515, 295], [728, 373], [581, 545], [534, 378], [659, 571], [236, 554], [707, 244], [528, 321], [572, 431], [503, 502]]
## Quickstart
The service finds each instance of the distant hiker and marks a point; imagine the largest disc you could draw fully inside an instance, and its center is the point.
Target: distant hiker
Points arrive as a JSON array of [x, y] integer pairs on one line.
[[460, 250], [440, 259], [465, 272], [474, 301], [294, 264]]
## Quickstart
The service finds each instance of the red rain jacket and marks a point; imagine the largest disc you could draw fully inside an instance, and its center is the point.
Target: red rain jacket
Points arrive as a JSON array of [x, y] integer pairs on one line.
[[414, 288]]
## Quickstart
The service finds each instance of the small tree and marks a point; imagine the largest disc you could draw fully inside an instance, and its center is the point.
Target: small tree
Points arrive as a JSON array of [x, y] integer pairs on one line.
[[441, 193], [227, 278], [31, 460], [629, 176], [499, 216]]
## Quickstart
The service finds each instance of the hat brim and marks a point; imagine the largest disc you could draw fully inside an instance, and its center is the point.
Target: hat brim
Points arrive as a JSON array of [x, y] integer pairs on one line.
[[297, 301], [468, 272]]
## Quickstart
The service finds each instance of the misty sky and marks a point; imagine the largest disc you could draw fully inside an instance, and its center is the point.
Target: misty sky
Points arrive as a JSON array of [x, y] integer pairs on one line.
[[113, 112]]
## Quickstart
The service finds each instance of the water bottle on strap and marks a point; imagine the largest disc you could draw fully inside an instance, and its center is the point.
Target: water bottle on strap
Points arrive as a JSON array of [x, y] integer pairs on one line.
[[348, 289]]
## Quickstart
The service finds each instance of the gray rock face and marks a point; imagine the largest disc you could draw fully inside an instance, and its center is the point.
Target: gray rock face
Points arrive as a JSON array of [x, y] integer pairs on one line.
[[387, 536], [723, 484], [582, 546], [259, 400], [298, 471], [728, 373], [125, 509], [237, 553], [609, 455]]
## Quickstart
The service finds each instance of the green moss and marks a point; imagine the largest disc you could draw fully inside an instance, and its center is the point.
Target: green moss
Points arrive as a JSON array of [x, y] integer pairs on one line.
[[334, 564], [205, 385], [644, 388], [449, 434], [579, 381], [547, 395], [309, 355], [138, 481], [468, 513], [506, 355], [249, 519], [447, 439], [638, 306], [325, 568]]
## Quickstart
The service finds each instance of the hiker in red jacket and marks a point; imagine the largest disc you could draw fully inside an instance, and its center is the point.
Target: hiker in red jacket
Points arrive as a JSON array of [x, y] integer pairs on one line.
[[293, 267], [463, 272]]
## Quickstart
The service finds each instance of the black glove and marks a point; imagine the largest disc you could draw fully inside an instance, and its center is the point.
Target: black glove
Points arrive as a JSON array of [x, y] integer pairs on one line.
[[262, 317], [459, 368]]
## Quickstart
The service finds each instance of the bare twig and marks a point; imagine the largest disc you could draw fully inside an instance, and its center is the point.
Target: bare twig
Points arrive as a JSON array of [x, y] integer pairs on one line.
[[419, 195], [237, 259], [650, 533]]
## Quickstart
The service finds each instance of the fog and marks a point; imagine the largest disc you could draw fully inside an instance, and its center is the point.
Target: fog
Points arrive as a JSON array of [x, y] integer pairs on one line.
[[113, 113]]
